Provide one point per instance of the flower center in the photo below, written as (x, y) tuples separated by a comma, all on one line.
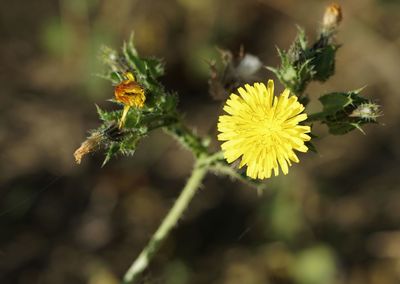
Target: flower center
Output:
[(267, 129)]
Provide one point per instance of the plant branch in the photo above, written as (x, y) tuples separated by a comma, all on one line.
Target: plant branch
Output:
[(221, 167), (188, 138)]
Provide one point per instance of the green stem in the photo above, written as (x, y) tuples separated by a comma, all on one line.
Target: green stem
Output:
[(170, 221)]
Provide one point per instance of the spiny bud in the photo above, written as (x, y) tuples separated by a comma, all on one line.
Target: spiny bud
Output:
[(332, 17), (368, 111)]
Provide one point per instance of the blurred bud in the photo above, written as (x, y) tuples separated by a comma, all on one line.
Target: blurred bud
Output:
[(111, 58), (109, 55), (332, 17), (88, 146), (233, 72), (248, 66)]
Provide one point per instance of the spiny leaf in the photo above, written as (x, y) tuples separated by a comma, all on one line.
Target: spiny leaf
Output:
[(135, 63), (108, 116), (111, 152), (334, 102)]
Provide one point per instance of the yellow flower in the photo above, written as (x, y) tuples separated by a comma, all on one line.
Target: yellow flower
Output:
[(131, 94), (263, 130)]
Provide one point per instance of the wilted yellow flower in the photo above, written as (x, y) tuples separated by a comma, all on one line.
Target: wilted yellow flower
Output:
[(263, 130), (131, 94)]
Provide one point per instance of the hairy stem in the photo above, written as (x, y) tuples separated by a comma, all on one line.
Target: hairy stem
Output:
[(187, 138), (220, 167), (170, 221)]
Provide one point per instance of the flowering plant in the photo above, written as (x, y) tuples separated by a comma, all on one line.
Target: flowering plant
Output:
[(260, 130)]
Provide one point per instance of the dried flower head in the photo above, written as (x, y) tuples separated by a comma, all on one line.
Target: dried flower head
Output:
[(263, 130), (88, 146), (332, 17)]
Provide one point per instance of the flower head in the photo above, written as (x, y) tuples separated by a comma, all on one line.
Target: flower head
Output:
[(131, 94), (263, 130)]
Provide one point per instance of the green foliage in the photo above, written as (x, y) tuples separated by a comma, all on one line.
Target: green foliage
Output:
[(323, 62), (159, 110), (302, 63), (343, 112)]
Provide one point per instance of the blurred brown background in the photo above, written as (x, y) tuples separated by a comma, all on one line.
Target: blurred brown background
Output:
[(334, 219)]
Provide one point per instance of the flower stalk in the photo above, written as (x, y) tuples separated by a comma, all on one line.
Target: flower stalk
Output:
[(200, 170)]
